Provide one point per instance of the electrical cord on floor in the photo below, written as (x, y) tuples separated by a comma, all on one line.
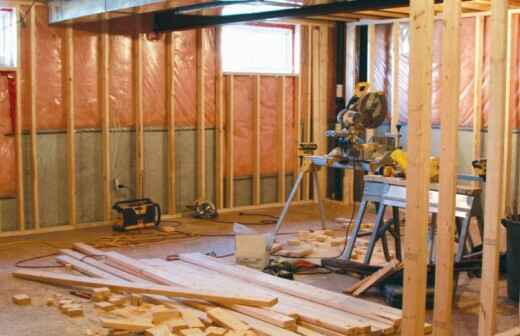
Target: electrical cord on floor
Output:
[(271, 221), (21, 263)]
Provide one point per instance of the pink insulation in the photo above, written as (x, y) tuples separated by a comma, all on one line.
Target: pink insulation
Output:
[(7, 149), (185, 79), (244, 91), (154, 80)]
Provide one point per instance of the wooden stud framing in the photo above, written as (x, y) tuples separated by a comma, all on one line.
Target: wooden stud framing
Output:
[(307, 124), (418, 177), (495, 158), (299, 124), (20, 197), (371, 66), (230, 153), (71, 136), (323, 106), (396, 42), (34, 149), (219, 125), (495, 155), (201, 111), (512, 30), (138, 108), (477, 87), (170, 111), (257, 188), (442, 320), (282, 142), (104, 106)]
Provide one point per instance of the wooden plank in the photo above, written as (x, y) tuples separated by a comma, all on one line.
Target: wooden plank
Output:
[(85, 268), (511, 77), (307, 118), (201, 116), (375, 278), (58, 228), (171, 291), (299, 126), (418, 178), (170, 112), (297, 289), (230, 152), (219, 127), (71, 136), (396, 44), (282, 143), (323, 103), (477, 87), (34, 146), (104, 106), (371, 66), (495, 158), (350, 77), (137, 51), (20, 197), (257, 188), (450, 83)]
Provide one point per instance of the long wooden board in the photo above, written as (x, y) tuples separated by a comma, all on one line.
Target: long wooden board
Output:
[(73, 280)]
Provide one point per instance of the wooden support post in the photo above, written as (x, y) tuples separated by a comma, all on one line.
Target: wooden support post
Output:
[(219, 125), (138, 108), (230, 123), (20, 197), (299, 126), (170, 112), (450, 82), (323, 103), (282, 140), (201, 117), (396, 50), (71, 136), (104, 106), (511, 77), (257, 187), (477, 87), (371, 66), (495, 158), (307, 120), (34, 135), (419, 151)]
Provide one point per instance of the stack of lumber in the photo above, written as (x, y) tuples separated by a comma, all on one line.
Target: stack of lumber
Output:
[(225, 295)]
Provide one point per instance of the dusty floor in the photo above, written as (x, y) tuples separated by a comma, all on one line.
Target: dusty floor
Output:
[(38, 319)]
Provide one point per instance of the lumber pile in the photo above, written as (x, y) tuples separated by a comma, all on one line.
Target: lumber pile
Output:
[(199, 295)]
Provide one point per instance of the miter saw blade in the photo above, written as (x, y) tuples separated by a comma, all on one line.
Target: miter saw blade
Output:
[(372, 109)]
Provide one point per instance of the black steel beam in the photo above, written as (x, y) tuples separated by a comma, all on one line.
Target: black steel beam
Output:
[(212, 4), (169, 20)]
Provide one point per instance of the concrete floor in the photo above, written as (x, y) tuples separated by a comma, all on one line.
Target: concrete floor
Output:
[(42, 320)]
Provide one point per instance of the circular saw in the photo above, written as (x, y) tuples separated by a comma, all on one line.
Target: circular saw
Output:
[(372, 109)]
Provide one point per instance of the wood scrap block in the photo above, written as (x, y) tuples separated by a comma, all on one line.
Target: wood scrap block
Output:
[(192, 332), (227, 319), (50, 302), (304, 235), (191, 319), (176, 324), (118, 300), (215, 331), (100, 294), (136, 299), (392, 267), (297, 253), (161, 330), (133, 325), (293, 242), (337, 241), (74, 311), (105, 306), (276, 247), (21, 299), (321, 238), (326, 232), (164, 315)]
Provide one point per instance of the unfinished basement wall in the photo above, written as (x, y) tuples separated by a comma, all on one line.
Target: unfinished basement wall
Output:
[(105, 67)]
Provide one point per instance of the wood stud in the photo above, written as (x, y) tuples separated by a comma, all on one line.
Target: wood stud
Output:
[(477, 87), (257, 187), (138, 107), (219, 128), (230, 152), (104, 106), (396, 50), (71, 136), (170, 111), (20, 197), (201, 117), (282, 139), (33, 131)]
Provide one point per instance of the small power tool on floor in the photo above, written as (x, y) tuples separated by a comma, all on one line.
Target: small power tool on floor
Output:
[(137, 214)]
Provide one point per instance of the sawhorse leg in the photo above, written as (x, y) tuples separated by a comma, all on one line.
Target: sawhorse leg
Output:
[(315, 178), (351, 240), (375, 232)]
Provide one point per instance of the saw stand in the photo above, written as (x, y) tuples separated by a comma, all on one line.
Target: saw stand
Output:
[(311, 165)]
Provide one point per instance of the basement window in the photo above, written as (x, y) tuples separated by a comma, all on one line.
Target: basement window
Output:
[(259, 47), (8, 37)]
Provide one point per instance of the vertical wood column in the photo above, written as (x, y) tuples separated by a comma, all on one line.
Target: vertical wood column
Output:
[(257, 123), (418, 177), (20, 197), (396, 50), (68, 89), (323, 102), (34, 135), (477, 86), (282, 143), (201, 116), (230, 155), (450, 83), (104, 106), (371, 66), (307, 119), (138, 108), (219, 127), (299, 127), (495, 158), (170, 112)]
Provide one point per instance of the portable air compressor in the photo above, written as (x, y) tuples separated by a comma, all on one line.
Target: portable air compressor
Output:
[(137, 214)]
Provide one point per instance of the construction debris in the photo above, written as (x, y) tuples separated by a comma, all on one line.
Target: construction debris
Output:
[(22, 299)]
